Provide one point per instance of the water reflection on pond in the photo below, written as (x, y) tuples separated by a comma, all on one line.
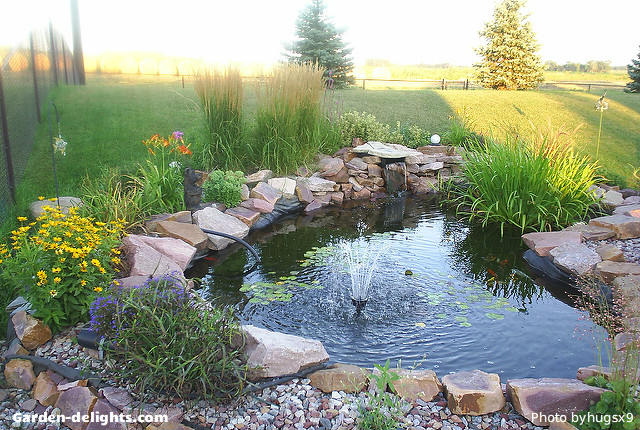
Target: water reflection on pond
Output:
[(445, 295)]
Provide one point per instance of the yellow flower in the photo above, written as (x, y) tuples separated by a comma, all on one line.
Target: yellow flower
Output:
[(56, 270), (56, 280), (1, 260), (116, 283), (95, 262), (101, 269), (83, 282), (41, 274), (115, 251), (40, 197), (279, 283), (116, 260), (53, 293), (62, 260), (52, 199), (22, 218), (97, 289)]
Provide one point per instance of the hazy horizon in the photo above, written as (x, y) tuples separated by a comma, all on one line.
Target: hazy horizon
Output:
[(410, 32)]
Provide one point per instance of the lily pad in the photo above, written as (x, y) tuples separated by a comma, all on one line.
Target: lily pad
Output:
[(494, 316)]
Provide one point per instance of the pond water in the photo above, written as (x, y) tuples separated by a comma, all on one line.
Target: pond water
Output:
[(445, 295)]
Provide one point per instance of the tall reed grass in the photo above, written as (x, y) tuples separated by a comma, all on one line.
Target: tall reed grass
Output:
[(221, 96), (291, 127), (533, 184)]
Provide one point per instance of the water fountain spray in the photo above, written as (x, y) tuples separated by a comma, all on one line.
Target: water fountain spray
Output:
[(361, 259)]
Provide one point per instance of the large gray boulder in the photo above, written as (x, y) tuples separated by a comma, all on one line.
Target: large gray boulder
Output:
[(37, 208), (212, 219), (271, 354)]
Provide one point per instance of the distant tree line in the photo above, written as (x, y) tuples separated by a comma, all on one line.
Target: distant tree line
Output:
[(592, 66)]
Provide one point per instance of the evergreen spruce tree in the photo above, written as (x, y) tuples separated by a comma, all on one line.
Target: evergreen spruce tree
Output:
[(320, 42), (634, 73), (509, 59)]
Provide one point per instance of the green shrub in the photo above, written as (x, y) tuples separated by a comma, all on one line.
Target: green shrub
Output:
[(366, 127), (224, 187), (532, 187), (220, 94), (291, 127), (61, 262), (170, 342), (111, 196), (412, 136)]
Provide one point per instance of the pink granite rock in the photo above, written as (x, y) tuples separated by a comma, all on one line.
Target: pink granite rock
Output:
[(543, 242), (258, 205)]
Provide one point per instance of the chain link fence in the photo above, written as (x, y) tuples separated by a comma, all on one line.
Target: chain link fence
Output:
[(28, 70)]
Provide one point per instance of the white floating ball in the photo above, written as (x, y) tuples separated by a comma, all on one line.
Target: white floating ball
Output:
[(435, 139)]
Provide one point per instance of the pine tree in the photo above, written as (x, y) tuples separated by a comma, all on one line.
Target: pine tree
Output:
[(634, 73), (509, 60), (320, 42)]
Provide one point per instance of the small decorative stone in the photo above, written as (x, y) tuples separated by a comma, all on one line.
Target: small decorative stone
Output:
[(609, 270), (31, 331), (431, 167), (612, 198), (592, 232), (213, 219), (372, 159), (19, 373), (259, 176), (271, 354), (363, 194), (265, 192), (303, 192), (330, 166), (416, 384), (575, 258), (340, 377), (543, 242), (357, 163), (549, 396), (626, 227), (15, 348), (76, 400), (118, 397), (244, 192), (258, 205), (474, 392), (45, 390), (590, 371), (318, 184), (610, 252), (189, 233), (286, 186), (247, 216)]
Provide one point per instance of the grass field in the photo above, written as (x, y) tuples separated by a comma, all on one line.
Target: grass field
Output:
[(457, 72), (106, 121)]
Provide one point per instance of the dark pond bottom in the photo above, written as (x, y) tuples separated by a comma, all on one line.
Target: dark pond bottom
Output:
[(444, 295)]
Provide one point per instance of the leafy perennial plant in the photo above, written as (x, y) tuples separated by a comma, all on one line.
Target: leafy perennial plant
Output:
[(61, 263)]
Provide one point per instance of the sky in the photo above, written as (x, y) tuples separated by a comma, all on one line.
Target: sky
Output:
[(402, 31)]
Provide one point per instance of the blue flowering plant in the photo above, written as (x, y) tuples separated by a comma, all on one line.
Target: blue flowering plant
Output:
[(167, 340)]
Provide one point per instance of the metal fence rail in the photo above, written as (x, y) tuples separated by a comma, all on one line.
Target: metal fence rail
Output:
[(27, 72)]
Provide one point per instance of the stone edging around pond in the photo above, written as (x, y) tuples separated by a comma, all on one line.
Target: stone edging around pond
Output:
[(327, 398), (607, 247)]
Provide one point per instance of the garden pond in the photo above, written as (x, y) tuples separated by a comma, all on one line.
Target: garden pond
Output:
[(445, 295)]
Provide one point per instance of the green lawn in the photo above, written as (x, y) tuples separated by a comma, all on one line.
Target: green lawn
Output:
[(105, 121)]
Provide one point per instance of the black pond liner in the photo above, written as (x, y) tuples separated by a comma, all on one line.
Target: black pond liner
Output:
[(545, 268)]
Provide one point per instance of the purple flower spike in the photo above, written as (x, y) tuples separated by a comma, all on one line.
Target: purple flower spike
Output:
[(177, 135)]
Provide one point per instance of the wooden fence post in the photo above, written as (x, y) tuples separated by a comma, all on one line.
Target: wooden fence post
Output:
[(363, 84)]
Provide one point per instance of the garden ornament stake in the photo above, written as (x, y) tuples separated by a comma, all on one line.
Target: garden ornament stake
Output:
[(57, 145), (601, 106)]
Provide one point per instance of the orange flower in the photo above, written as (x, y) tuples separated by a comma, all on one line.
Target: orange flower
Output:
[(184, 150)]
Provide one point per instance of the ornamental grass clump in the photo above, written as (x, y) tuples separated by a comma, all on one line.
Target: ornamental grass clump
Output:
[(291, 127), (168, 341), (220, 93), (61, 263), (529, 186)]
